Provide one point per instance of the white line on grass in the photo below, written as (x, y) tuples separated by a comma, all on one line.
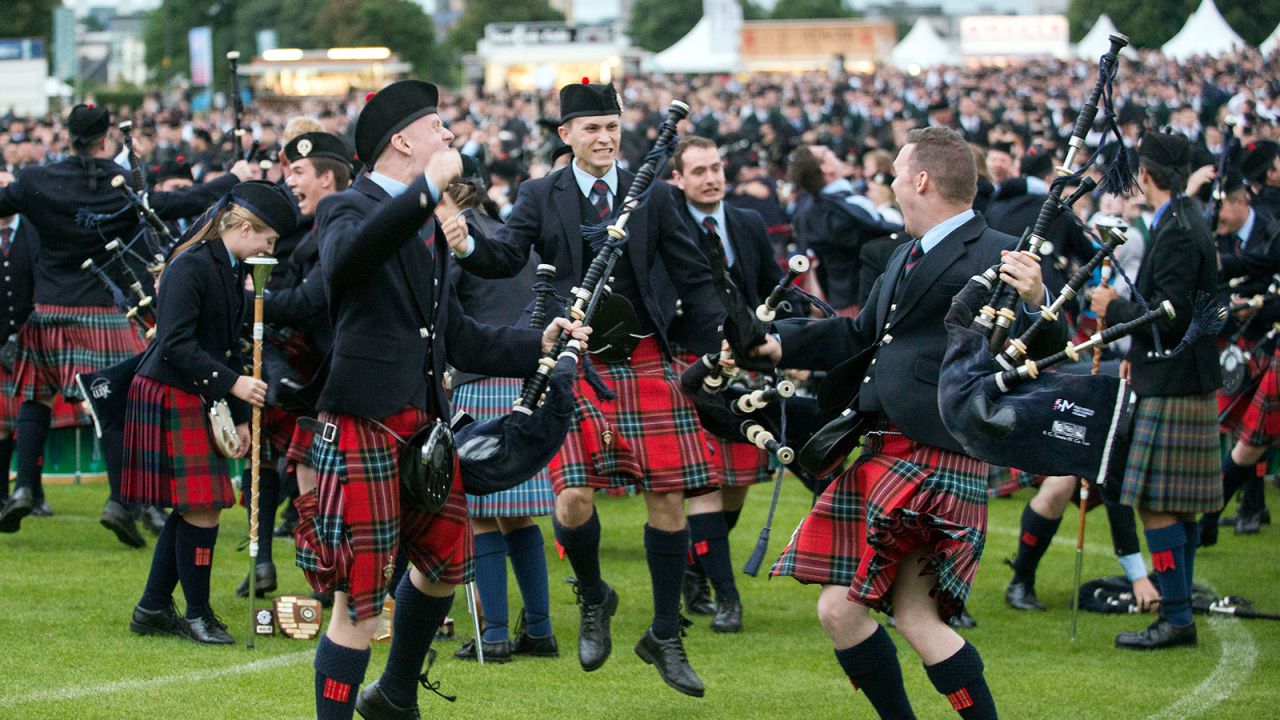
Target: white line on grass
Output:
[(1092, 548), (73, 692), (1235, 665)]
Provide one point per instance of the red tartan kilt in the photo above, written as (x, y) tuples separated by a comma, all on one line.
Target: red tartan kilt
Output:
[(648, 436), (299, 451), (277, 428), (1259, 423), (351, 527), (58, 342), (735, 464), (169, 456)]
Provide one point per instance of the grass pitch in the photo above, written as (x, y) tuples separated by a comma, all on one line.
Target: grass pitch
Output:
[(67, 589)]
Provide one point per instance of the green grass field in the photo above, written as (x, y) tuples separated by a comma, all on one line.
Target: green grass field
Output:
[(67, 589)]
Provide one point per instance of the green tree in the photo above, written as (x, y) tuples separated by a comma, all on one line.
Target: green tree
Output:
[(1150, 24), (470, 27), (398, 24), (29, 18), (810, 10), (657, 24)]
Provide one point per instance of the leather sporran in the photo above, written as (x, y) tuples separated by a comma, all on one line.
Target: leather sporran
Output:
[(223, 429), (1235, 369), (426, 464)]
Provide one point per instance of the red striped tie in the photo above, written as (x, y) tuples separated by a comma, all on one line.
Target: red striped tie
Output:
[(601, 202), (917, 252)]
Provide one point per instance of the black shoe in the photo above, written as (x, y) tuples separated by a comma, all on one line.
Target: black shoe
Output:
[(285, 528), (42, 509), (594, 641), (728, 617), (1248, 524), (527, 644), (1022, 596), (264, 581), (1264, 518), (1209, 531), (494, 652), (372, 704), (1159, 635), (159, 622), (120, 521), (18, 506), (697, 593), (963, 621), (672, 664), (152, 518), (210, 630)]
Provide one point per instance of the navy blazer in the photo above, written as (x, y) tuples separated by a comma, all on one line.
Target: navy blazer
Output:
[(201, 310), (50, 196), (755, 270), (904, 371), (836, 230), (671, 271), (396, 319), (17, 282)]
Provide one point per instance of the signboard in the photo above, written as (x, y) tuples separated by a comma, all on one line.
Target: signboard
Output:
[(1010, 35), (856, 40), (64, 43), (200, 44), (529, 34), (21, 49)]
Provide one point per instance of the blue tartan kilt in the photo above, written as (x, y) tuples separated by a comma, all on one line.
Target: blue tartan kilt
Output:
[(492, 398), (1175, 461)]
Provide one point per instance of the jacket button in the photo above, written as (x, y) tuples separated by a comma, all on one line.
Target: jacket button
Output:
[(424, 333), (873, 361), (215, 372), (893, 307), (887, 339), (866, 379), (228, 353)]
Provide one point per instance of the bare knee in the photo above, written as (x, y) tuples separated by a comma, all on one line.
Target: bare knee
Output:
[(706, 503), (511, 524), (481, 525), (666, 511), (1054, 495), (845, 622), (574, 506), (202, 518), (428, 587), (348, 633), (306, 478)]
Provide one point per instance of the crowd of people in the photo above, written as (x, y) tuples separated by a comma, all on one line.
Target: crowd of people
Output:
[(399, 299)]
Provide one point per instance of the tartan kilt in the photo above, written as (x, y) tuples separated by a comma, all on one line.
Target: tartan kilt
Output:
[(732, 464), (900, 495), (299, 451), (1257, 421), (57, 342), (351, 527), (277, 429), (65, 414), (169, 456), (649, 436), (1175, 462), (490, 398)]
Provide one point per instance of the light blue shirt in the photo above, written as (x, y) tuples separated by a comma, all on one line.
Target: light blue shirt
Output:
[(936, 233), (1246, 229), (722, 228), (586, 180), (395, 188), (842, 185)]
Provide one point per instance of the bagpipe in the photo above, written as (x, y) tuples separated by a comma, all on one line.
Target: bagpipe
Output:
[(997, 314)]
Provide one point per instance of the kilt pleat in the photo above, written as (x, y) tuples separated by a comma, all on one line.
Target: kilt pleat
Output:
[(899, 496), (57, 342), (351, 527), (169, 456), (732, 464), (1175, 461), (491, 398), (65, 414), (649, 436)]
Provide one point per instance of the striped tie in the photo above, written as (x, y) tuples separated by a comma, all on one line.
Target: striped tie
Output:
[(6, 240), (600, 191), (917, 252)]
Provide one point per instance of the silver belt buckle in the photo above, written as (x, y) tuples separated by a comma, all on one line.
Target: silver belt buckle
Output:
[(329, 433)]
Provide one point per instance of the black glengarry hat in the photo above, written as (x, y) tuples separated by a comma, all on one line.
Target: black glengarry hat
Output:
[(1169, 153), (87, 121), (269, 202), (176, 168), (587, 98), (389, 111), (317, 144), (1258, 158)]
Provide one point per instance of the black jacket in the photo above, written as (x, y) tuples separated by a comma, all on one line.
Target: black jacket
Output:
[(51, 196), (660, 248), (396, 319), (201, 310), (18, 279), (904, 372), (299, 300), (1177, 264), (754, 270), (836, 230)]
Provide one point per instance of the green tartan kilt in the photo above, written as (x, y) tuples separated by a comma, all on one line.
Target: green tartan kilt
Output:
[(1174, 463)]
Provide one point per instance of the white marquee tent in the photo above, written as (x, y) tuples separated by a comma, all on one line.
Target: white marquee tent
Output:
[(1205, 33), (1269, 45), (923, 48), (1097, 40), (711, 46)]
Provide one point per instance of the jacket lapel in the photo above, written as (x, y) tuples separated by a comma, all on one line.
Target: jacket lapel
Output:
[(568, 207), (935, 263), (744, 261)]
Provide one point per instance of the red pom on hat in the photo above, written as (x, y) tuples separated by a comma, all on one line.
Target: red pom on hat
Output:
[(181, 159), (89, 105), (369, 96), (585, 81)]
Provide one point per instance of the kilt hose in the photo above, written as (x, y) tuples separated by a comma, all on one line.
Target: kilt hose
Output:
[(732, 464), (1175, 461), (169, 456), (1256, 420), (649, 436), (351, 527), (57, 342), (898, 496), (490, 398)]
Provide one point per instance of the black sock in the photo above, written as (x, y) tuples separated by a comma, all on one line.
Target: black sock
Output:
[(1252, 499), (32, 429), (731, 518), (1167, 546), (491, 583), (872, 667), (268, 498), (582, 547), (709, 537), (6, 459), (194, 547), (417, 617), (1037, 533), (1233, 478), (529, 564), (163, 577), (112, 444), (959, 677), (666, 552), (339, 672)]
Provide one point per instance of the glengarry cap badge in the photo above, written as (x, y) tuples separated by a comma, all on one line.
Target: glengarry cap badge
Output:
[(304, 147)]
